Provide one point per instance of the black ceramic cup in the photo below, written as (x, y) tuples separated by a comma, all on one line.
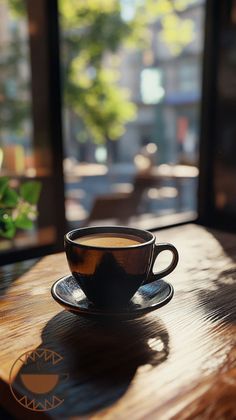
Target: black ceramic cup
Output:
[(110, 275)]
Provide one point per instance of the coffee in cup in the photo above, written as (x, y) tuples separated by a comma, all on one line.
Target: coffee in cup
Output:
[(109, 240), (110, 263)]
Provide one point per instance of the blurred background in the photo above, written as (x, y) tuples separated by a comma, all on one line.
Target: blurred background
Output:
[(131, 77)]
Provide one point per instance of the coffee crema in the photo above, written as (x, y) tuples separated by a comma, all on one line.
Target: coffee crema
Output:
[(114, 240)]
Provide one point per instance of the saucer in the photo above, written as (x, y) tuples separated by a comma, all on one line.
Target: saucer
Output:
[(149, 297)]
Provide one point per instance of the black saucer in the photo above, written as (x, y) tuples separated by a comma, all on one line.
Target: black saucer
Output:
[(68, 294)]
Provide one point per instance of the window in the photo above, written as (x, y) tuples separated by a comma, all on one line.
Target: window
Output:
[(132, 88), (152, 90), (189, 78), (132, 96), (31, 188)]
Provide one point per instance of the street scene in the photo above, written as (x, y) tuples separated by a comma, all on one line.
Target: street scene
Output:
[(157, 123), (161, 196)]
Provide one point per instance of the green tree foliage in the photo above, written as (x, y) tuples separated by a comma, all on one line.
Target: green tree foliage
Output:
[(176, 31), (92, 30)]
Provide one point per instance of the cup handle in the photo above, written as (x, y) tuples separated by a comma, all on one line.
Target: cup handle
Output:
[(157, 250)]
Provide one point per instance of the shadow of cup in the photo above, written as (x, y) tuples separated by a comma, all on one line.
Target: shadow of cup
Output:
[(102, 358)]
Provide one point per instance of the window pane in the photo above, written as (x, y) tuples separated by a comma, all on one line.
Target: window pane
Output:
[(132, 89), (27, 218)]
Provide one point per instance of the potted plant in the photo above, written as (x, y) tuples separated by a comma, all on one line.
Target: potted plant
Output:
[(18, 206)]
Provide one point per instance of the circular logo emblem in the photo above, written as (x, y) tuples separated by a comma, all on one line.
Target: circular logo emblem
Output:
[(36, 379)]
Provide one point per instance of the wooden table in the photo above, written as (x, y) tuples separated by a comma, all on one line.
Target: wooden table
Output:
[(176, 363)]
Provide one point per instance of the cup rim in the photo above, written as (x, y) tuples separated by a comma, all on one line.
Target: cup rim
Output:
[(111, 228)]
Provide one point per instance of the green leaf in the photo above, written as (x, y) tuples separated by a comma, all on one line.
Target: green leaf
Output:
[(23, 222), (10, 198), (3, 185), (9, 233), (30, 191), (7, 227)]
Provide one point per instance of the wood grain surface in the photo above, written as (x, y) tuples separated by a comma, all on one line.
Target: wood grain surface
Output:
[(178, 362)]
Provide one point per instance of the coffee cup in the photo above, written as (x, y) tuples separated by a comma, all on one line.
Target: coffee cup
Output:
[(110, 263)]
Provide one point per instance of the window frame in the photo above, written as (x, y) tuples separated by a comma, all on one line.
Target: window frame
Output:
[(217, 23), (46, 15)]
